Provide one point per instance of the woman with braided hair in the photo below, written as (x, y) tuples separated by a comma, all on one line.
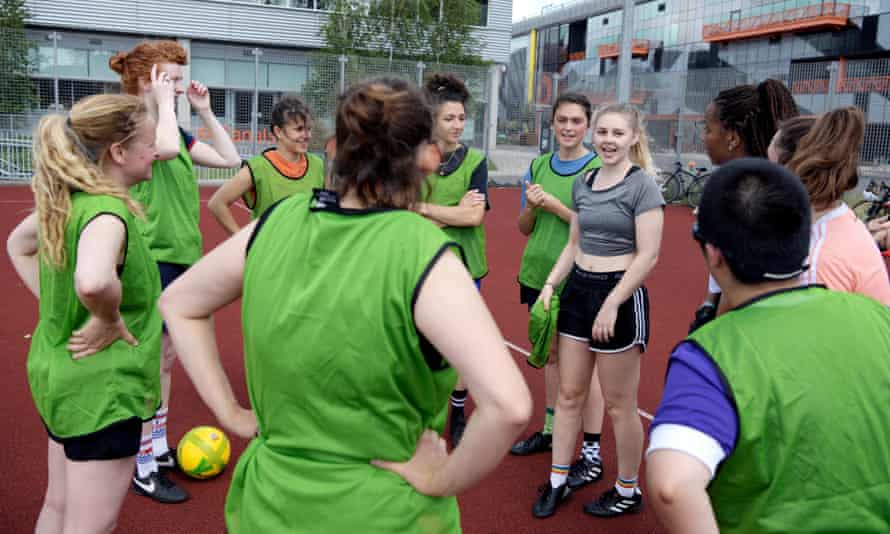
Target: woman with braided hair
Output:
[(94, 361), (740, 122)]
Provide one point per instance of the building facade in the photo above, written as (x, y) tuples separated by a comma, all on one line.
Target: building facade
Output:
[(684, 52), (247, 52)]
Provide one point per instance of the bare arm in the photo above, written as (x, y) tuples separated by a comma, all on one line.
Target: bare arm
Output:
[(677, 486), (447, 303), (22, 249), (229, 193), (527, 219), (648, 236), (469, 212), (222, 153), (95, 275), (567, 257), (188, 305)]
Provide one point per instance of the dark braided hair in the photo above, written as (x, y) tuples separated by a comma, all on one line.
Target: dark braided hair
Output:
[(754, 112), (289, 108)]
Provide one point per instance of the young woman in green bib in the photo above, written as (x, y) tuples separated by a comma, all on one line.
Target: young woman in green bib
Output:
[(455, 197), (94, 361), (547, 209), (154, 71), (354, 368), (278, 172)]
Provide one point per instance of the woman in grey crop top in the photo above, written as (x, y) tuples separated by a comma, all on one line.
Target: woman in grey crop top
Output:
[(603, 319)]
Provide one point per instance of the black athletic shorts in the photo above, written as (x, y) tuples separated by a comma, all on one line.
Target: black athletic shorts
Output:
[(115, 441), (582, 299), (169, 273), (528, 295)]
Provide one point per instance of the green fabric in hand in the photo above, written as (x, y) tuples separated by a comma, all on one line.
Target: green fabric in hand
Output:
[(541, 327)]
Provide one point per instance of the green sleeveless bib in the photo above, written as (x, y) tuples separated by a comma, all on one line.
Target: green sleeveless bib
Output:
[(814, 434), (447, 191), (172, 209), (336, 373), (550, 233), (77, 397), (271, 185)]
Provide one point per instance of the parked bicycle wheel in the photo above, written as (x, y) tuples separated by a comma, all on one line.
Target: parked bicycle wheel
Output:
[(670, 185), (696, 188)]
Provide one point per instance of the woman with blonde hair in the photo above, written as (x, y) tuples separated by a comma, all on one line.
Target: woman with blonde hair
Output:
[(604, 312), (94, 361), (154, 71)]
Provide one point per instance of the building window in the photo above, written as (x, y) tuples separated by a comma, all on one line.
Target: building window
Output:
[(605, 21), (662, 8)]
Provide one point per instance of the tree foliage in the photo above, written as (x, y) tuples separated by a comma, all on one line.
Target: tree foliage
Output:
[(439, 31), (16, 58)]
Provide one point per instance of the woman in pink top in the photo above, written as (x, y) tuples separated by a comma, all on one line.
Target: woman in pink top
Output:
[(824, 153)]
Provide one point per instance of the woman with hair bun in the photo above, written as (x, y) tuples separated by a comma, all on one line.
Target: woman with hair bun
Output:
[(348, 378), (153, 70), (93, 365), (456, 196)]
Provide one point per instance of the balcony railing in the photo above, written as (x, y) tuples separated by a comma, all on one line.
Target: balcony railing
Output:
[(815, 17), (639, 48)]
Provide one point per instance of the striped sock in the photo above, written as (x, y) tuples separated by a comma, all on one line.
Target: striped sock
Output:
[(145, 460), (558, 475), (159, 432), (626, 488), (458, 399), (548, 421), (590, 447)]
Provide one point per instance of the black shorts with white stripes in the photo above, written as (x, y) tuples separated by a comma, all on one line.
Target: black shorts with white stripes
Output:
[(581, 300)]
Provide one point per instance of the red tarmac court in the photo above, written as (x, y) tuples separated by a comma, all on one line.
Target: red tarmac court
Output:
[(500, 504)]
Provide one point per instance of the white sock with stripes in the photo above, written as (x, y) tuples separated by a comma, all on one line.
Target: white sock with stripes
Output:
[(159, 432), (145, 460)]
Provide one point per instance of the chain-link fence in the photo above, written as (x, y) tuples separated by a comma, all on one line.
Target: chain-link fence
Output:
[(50, 71), (675, 101)]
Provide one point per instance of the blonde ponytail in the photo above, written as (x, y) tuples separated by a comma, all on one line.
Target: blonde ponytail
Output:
[(68, 156)]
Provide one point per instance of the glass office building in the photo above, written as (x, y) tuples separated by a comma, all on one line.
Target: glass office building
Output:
[(685, 51)]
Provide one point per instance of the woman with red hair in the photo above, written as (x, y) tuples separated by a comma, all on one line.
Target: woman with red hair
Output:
[(154, 71)]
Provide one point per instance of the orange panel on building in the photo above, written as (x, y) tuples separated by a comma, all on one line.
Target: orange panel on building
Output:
[(815, 17), (639, 48)]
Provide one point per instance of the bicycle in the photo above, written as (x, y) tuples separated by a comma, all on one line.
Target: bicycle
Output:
[(875, 201), (682, 183)]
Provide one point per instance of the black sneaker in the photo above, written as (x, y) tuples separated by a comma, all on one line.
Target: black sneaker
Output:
[(160, 488), (611, 504), (585, 471), (549, 499), (167, 460), (537, 442), (456, 427)]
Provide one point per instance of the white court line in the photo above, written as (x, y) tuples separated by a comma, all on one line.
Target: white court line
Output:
[(643, 413)]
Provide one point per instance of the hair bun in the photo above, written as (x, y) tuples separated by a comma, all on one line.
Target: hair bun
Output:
[(118, 62), (444, 86)]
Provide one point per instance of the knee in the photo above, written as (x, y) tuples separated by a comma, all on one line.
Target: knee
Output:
[(621, 407), (570, 398), (54, 503)]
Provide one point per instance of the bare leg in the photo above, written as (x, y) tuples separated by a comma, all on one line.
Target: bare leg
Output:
[(575, 368), (52, 514), (620, 379), (594, 408), (95, 493)]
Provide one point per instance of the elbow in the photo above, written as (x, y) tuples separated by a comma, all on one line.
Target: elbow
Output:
[(232, 161), (524, 231), (92, 287), (516, 409), (167, 152)]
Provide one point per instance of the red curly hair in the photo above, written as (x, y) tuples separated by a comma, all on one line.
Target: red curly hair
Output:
[(135, 66)]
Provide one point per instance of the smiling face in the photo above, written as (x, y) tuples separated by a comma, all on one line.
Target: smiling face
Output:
[(294, 137), (613, 136), (570, 124), (449, 125), (138, 152)]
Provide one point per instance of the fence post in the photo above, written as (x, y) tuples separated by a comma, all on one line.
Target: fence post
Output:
[(420, 66), (490, 138), (55, 37), (342, 59), (255, 114), (626, 51)]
